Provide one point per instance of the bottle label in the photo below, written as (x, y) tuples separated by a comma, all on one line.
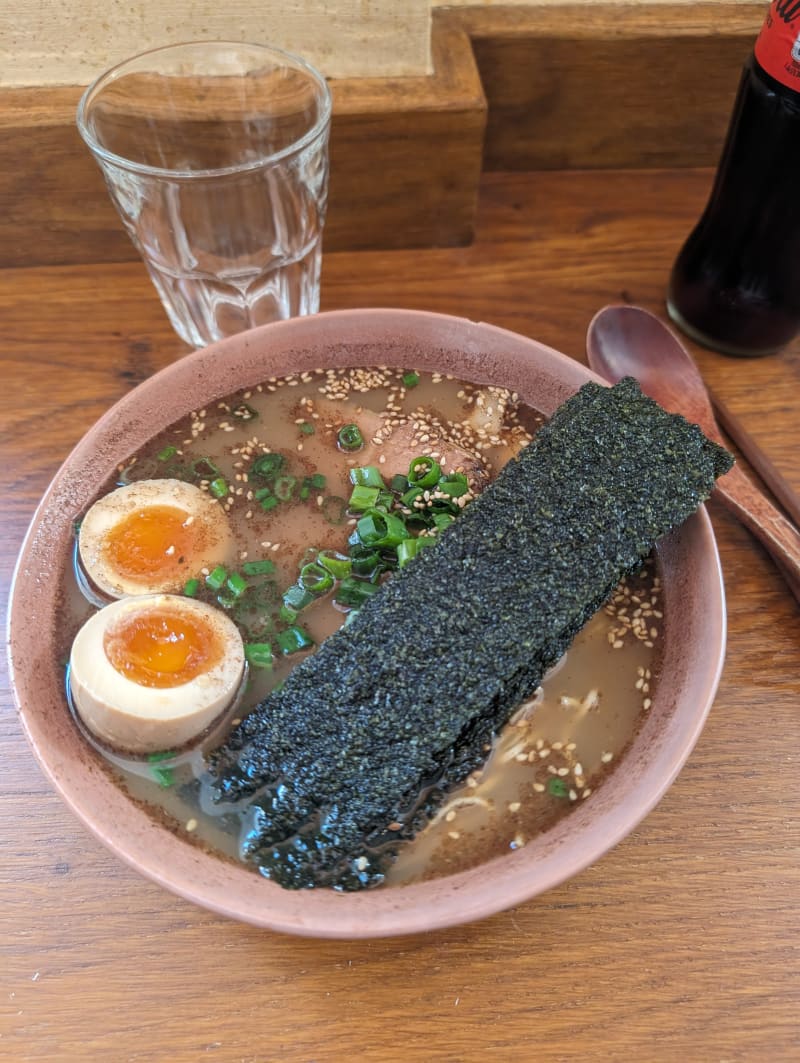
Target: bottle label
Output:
[(777, 49)]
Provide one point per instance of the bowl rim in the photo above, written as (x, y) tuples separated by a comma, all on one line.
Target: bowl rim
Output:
[(454, 899)]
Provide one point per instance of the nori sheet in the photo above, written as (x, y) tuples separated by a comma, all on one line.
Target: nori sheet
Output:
[(400, 705)]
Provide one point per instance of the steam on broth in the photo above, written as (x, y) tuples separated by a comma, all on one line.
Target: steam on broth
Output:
[(557, 747)]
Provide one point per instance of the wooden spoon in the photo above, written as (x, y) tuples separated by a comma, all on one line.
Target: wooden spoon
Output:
[(629, 341)]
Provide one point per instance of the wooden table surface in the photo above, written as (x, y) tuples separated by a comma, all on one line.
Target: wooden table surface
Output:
[(680, 944)]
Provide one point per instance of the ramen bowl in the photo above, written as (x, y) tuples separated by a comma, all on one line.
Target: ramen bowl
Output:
[(692, 645)]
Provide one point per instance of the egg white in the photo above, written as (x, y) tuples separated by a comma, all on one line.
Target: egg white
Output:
[(213, 542), (139, 719)]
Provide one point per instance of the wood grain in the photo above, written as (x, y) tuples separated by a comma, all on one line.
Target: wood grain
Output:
[(609, 85), (405, 163), (679, 945), (568, 85)]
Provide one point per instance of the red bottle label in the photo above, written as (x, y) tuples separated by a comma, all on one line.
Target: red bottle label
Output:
[(777, 49)]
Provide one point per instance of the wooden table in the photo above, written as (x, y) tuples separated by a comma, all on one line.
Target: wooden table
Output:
[(680, 944)]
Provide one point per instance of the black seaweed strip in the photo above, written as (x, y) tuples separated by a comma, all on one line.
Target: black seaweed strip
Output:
[(406, 698)]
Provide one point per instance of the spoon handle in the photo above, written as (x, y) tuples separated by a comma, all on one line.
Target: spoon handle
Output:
[(778, 535)]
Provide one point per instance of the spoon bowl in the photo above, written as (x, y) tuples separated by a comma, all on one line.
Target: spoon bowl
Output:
[(630, 341)]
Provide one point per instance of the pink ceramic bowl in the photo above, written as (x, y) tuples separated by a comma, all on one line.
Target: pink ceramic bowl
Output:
[(692, 660)]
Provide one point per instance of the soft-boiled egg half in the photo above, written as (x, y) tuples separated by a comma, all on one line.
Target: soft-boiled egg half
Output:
[(152, 536), (153, 672)]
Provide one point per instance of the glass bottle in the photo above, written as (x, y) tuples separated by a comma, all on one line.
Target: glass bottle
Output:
[(735, 286)]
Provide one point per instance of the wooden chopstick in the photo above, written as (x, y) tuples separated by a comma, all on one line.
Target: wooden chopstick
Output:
[(781, 489)]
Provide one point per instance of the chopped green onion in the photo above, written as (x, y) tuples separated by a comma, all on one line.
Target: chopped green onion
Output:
[(315, 579), (297, 597), (399, 484), (267, 466), (363, 498), (442, 520), (258, 568), (334, 509), (284, 486), (259, 654), (226, 599), (245, 412), (307, 428), (557, 787), (376, 528), (166, 453), (424, 471), (191, 587), (287, 614), (355, 591), (338, 565), (367, 565), (218, 487), (163, 776), (216, 578), (205, 469), (410, 379), (317, 481), (293, 639), (410, 497), (236, 584), (367, 476), (455, 484), (350, 437), (409, 548), (269, 502)]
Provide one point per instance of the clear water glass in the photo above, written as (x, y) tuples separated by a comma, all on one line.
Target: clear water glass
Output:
[(216, 157)]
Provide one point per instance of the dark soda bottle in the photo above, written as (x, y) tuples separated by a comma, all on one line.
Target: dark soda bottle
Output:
[(735, 286)]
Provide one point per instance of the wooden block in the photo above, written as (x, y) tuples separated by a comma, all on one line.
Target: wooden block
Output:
[(405, 165), (608, 85)]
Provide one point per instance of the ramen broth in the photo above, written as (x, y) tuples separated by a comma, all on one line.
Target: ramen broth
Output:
[(557, 747)]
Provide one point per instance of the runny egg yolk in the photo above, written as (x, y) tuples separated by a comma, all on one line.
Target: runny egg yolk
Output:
[(163, 647), (150, 541)]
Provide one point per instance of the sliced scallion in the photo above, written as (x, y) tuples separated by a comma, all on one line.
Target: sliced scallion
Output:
[(557, 787), (216, 578), (258, 654), (267, 466), (424, 471), (293, 639), (350, 437), (338, 565), (236, 584), (409, 548), (377, 528), (258, 568), (191, 587), (410, 379), (315, 579), (363, 498), (205, 469), (284, 487), (166, 453), (367, 476), (297, 597), (355, 591), (218, 487)]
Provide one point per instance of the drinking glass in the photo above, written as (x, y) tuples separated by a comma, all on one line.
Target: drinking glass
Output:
[(216, 157)]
